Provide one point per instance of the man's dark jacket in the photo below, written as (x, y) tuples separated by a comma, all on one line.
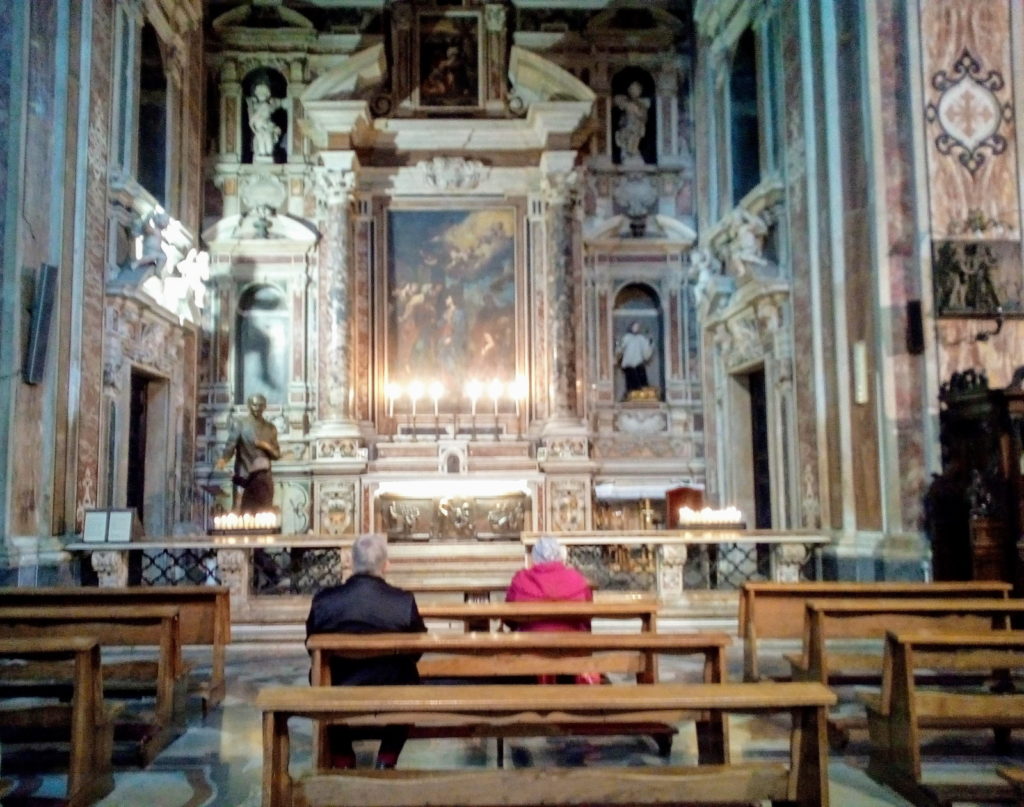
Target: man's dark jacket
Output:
[(366, 604)]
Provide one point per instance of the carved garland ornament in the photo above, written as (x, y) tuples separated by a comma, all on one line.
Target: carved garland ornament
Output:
[(968, 112)]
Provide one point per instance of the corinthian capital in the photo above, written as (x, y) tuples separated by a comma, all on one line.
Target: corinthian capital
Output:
[(560, 187), (332, 186)]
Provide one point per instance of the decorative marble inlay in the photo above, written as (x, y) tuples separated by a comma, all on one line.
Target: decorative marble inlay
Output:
[(337, 506), (969, 112), (111, 568)]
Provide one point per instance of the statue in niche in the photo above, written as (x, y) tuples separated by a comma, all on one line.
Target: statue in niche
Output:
[(746, 255), (633, 123), (265, 132), (634, 351)]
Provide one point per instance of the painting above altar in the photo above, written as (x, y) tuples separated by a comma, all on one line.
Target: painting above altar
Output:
[(451, 296)]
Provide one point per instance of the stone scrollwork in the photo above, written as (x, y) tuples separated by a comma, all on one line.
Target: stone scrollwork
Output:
[(339, 448), (494, 18), (453, 173), (789, 560), (672, 560), (641, 422), (568, 505), (111, 568), (232, 566), (560, 187), (337, 509), (566, 448), (332, 187)]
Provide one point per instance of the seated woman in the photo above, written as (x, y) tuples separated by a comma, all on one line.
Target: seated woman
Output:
[(549, 579)]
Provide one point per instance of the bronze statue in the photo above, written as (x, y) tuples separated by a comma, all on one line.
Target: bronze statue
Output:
[(253, 441)]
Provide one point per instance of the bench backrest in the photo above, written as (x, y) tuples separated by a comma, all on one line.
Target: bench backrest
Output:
[(827, 621), (490, 654), (776, 610), (511, 612), (204, 611)]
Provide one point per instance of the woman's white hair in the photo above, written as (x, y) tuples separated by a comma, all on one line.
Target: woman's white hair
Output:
[(547, 550)]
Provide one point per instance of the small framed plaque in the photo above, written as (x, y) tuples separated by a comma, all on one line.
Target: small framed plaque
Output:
[(95, 529), (116, 526)]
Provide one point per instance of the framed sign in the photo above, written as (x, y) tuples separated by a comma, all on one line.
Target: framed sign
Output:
[(450, 308), (448, 59)]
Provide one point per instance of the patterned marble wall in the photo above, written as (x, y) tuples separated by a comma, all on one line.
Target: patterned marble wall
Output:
[(968, 80)]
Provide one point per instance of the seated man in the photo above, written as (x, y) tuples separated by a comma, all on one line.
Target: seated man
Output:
[(365, 603)]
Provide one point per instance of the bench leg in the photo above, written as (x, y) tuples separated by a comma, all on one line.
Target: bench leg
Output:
[(712, 743)]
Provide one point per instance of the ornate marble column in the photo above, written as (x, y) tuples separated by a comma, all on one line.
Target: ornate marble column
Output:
[(561, 290), (230, 113)]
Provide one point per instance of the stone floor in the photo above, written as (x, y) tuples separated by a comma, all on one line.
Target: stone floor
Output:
[(217, 760)]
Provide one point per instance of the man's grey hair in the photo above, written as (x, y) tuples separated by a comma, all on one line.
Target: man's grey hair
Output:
[(370, 554), (547, 550)]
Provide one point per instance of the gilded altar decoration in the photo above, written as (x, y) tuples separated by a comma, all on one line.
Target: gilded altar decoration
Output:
[(969, 112)]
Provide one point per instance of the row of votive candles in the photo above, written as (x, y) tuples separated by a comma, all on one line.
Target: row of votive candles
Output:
[(708, 515), (247, 521), (474, 390)]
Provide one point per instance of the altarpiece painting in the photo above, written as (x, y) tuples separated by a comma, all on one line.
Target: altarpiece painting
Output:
[(451, 296)]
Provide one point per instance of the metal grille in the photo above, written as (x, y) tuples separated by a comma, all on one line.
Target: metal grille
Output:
[(617, 567), (294, 571), (169, 567)]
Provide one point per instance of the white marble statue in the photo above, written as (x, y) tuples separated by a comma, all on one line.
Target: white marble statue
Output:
[(633, 123), (265, 132), (746, 253)]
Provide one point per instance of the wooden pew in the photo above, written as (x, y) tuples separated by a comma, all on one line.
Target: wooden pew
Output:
[(1015, 776), (479, 616), (85, 724), (118, 626), (904, 708), (528, 653), (843, 637), (204, 611), (804, 781), (769, 610)]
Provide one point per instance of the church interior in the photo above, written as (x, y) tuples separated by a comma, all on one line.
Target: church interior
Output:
[(719, 293)]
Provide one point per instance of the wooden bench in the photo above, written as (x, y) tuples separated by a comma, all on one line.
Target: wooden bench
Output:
[(84, 726), (769, 610), (804, 781), (117, 626), (204, 613), (843, 638), (904, 708), (530, 653), (1015, 776), (480, 616)]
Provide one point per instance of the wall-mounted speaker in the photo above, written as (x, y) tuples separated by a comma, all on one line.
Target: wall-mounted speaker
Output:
[(915, 328), (34, 365)]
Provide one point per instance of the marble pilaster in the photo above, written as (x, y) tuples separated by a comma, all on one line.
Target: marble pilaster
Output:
[(333, 186)]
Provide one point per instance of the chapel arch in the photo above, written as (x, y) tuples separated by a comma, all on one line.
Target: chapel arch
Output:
[(262, 344), (270, 109), (640, 303)]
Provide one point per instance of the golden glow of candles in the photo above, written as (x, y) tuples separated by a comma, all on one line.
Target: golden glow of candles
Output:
[(474, 389), (264, 520), (517, 392), (708, 515), (416, 390), (436, 392), (392, 391)]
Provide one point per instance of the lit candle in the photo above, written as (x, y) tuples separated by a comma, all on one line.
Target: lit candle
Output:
[(496, 387), (436, 391), (473, 391), (392, 391), (517, 392), (415, 393)]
